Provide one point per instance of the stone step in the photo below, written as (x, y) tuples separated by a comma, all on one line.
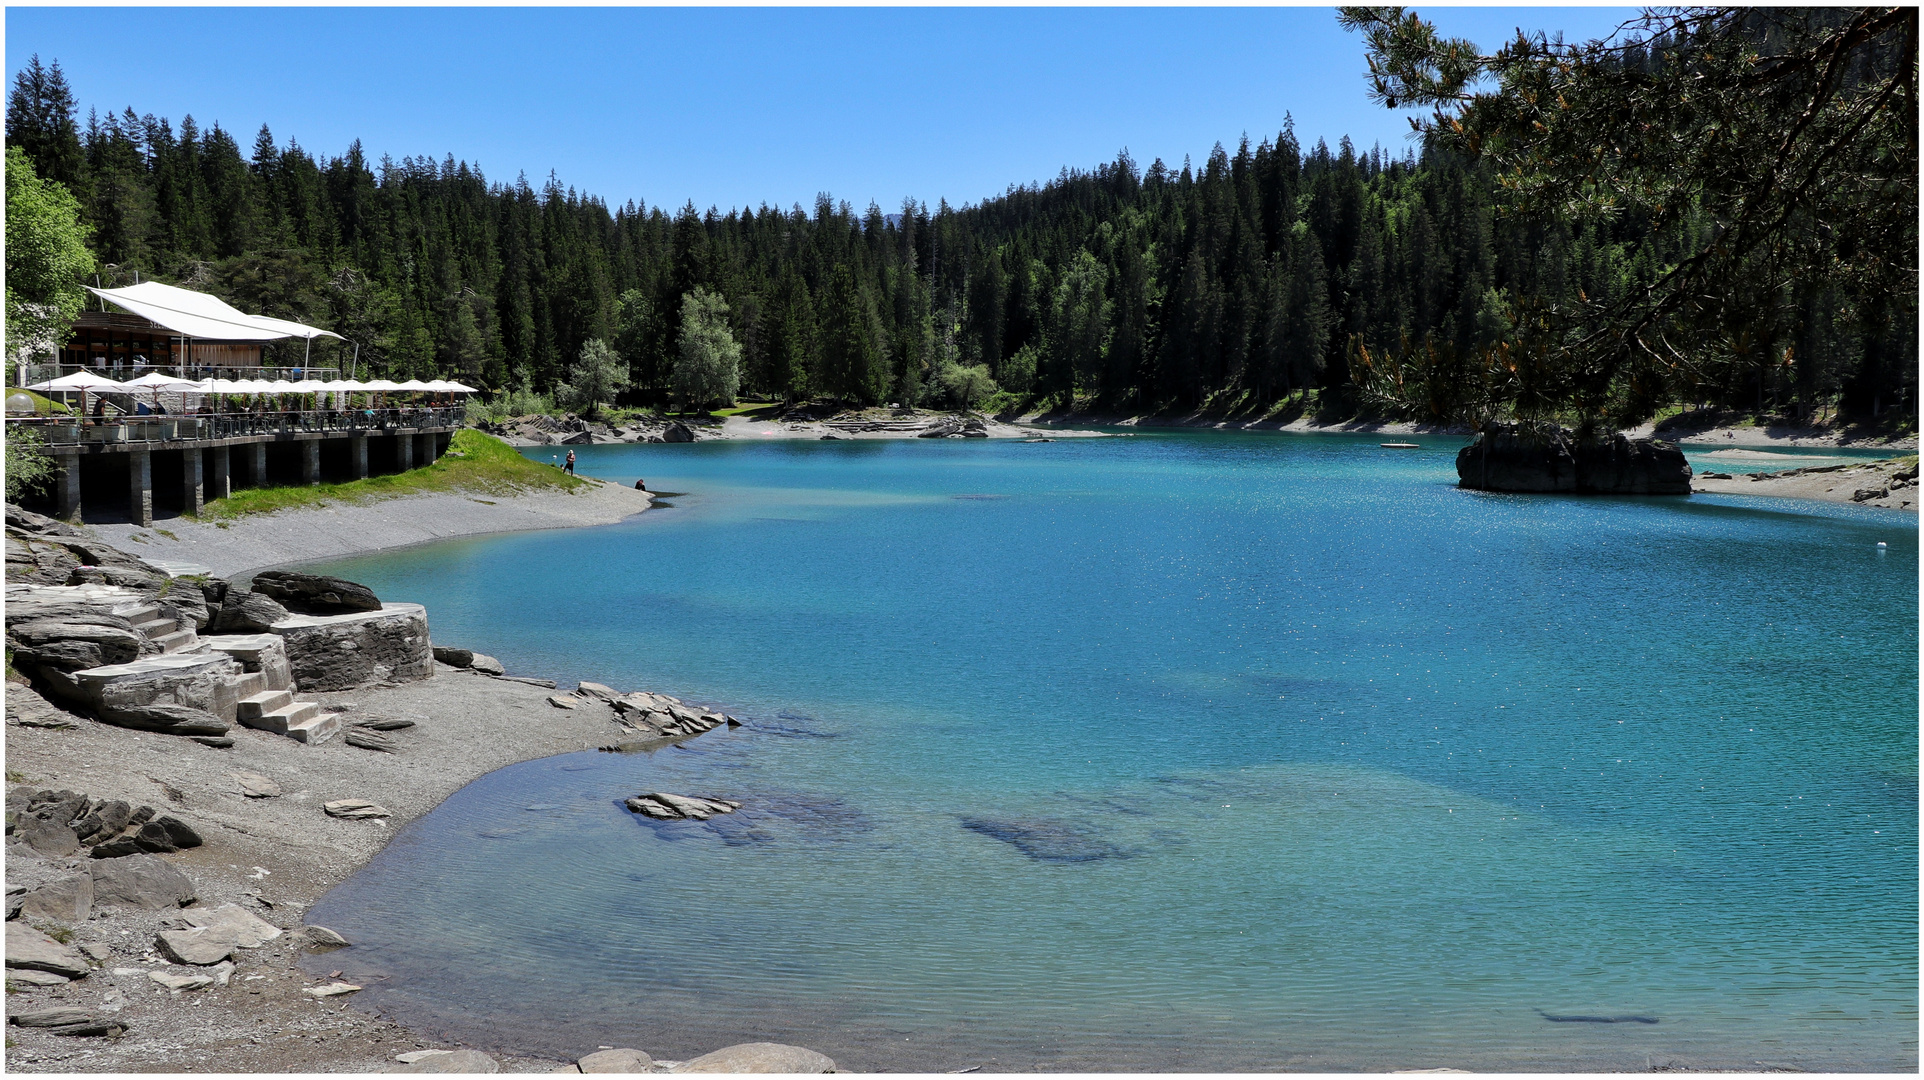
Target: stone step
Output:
[(247, 684), (317, 728), (178, 641), (261, 703), (281, 720), (139, 613), (155, 627)]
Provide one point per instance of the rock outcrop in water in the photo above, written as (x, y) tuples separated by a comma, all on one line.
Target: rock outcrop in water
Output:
[(1509, 458), (666, 807)]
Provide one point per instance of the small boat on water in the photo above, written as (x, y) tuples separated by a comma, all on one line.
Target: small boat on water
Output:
[(1400, 446)]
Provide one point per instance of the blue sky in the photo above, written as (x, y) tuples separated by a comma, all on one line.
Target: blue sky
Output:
[(740, 106)]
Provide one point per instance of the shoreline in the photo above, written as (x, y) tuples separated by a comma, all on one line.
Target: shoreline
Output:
[(259, 542)]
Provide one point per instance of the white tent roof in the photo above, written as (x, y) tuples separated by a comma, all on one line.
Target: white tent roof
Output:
[(79, 380), (199, 315)]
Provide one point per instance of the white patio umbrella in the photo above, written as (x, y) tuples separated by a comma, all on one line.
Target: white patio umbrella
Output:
[(382, 384), (462, 389), (83, 382), (414, 384), (156, 381)]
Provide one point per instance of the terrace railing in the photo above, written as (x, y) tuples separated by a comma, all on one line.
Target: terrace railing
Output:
[(65, 430)]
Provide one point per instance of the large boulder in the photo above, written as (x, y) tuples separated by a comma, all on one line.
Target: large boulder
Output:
[(246, 612), (68, 900), (616, 1061), (342, 652), (677, 432), (759, 1057), (193, 693), (1511, 458), (315, 594), (141, 881)]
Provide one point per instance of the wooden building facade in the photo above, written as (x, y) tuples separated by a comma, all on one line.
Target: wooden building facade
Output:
[(110, 341)]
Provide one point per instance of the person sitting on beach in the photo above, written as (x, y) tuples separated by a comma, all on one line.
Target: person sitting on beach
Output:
[(640, 485)]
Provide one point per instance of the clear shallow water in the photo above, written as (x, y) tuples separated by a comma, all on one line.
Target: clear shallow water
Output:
[(1182, 751)]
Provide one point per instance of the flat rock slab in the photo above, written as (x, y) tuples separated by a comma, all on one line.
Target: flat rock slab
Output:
[(760, 1057), (334, 989), (616, 1061), (248, 930), (141, 881), (354, 808), (254, 785), (69, 1020), (32, 977), (485, 664), (453, 1061), (29, 948), (178, 983), (201, 945)]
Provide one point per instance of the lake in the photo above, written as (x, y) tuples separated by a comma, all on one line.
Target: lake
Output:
[(1180, 751)]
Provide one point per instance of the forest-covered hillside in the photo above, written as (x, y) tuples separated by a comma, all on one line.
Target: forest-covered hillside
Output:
[(1233, 281)]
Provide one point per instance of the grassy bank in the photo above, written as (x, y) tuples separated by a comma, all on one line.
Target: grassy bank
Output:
[(475, 463)]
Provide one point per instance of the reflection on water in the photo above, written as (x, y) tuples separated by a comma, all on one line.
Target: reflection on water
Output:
[(1195, 752)]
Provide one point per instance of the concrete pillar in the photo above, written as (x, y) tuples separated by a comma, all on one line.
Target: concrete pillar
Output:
[(140, 487), (193, 487), (256, 464), (67, 495), (403, 453), (310, 461), (424, 448), (357, 455), (220, 473)]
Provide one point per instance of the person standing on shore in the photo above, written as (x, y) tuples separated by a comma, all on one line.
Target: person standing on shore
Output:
[(571, 463)]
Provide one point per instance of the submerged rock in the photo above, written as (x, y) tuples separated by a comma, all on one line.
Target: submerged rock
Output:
[(1509, 458), (1047, 840)]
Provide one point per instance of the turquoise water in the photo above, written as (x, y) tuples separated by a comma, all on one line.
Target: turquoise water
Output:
[(1180, 751)]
